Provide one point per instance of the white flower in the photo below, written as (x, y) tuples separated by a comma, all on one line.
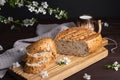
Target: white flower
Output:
[(19, 4), (10, 18), (106, 24), (44, 12), (61, 12), (12, 27), (40, 9), (50, 12), (115, 63), (16, 64), (64, 60), (1, 48), (87, 77), (35, 3), (2, 2), (31, 8), (43, 74), (116, 68), (5, 21), (60, 60), (2, 21), (36, 11), (57, 16), (44, 4), (28, 22)]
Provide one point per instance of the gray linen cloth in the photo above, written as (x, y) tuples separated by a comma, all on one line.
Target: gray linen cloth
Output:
[(19, 48)]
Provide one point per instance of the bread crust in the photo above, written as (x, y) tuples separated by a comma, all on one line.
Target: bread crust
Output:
[(92, 39), (34, 69), (45, 49), (41, 45)]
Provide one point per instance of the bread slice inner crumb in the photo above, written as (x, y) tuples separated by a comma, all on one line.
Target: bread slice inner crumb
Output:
[(77, 48)]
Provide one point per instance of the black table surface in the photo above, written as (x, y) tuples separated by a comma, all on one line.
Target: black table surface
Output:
[(97, 70)]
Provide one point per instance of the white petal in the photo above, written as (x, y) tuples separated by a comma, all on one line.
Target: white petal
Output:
[(35, 3), (12, 27), (44, 12), (86, 76), (1, 48), (116, 68), (2, 2), (44, 74), (40, 9), (50, 12), (44, 4), (16, 64), (115, 63)]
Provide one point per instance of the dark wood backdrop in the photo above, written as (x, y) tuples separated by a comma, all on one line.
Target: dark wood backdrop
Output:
[(75, 8)]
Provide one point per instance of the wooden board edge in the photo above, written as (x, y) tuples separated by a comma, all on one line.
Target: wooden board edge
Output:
[(105, 42)]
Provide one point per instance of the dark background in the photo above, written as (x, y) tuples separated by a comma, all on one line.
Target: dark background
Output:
[(106, 10), (75, 8), (97, 8)]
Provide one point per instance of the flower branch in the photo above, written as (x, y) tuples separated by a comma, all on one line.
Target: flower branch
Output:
[(33, 7), (115, 66)]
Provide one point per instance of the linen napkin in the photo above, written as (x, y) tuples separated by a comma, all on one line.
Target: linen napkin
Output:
[(19, 48)]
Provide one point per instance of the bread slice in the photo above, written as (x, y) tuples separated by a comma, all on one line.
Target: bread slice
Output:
[(78, 41), (39, 55)]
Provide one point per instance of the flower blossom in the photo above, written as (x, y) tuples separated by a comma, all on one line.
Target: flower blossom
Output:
[(1, 48), (10, 18), (87, 77), (45, 5), (44, 74), (28, 22), (2, 2), (19, 4), (35, 3), (12, 27), (31, 8), (64, 60), (50, 12), (16, 64)]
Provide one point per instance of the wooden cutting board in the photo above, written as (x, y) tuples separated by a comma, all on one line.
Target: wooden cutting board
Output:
[(56, 71)]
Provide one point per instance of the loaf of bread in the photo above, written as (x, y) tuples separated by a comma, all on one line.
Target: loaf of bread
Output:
[(78, 41), (39, 55)]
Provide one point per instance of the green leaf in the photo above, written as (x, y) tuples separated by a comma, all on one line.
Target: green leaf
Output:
[(7, 0), (62, 63), (17, 1), (12, 3), (108, 66), (22, 1), (28, 2), (1, 18), (17, 21), (118, 65)]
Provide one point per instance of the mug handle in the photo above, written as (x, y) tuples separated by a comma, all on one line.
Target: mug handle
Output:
[(99, 26)]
